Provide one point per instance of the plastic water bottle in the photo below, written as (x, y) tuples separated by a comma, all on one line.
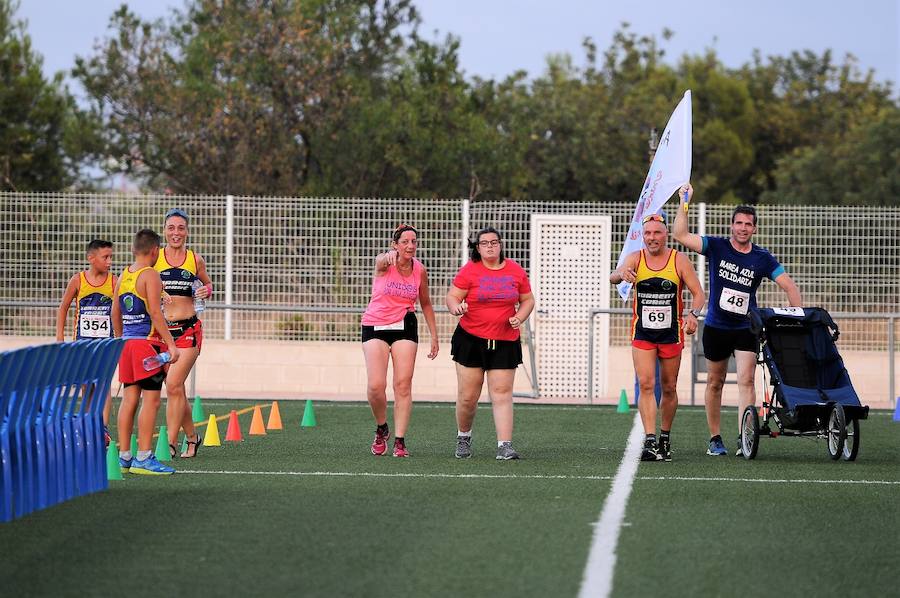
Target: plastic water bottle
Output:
[(199, 304), (155, 361)]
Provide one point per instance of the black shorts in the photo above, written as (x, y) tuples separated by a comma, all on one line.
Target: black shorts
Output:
[(719, 343), (475, 352), (154, 382), (410, 331)]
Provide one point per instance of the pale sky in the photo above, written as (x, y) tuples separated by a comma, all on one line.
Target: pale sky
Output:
[(501, 36)]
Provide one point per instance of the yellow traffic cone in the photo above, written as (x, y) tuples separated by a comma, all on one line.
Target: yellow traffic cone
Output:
[(212, 433)]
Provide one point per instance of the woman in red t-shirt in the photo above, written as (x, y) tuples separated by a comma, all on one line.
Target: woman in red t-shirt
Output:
[(493, 298)]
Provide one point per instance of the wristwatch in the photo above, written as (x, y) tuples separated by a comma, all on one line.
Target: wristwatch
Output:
[(694, 313)]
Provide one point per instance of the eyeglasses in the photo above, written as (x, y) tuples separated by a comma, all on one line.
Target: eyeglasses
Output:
[(491, 243), (176, 212), (653, 218)]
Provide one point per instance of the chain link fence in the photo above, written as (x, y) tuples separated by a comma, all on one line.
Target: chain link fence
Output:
[(319, 253)]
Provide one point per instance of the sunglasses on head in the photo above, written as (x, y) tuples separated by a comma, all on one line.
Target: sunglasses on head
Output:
[(653, 218), (176, 212)]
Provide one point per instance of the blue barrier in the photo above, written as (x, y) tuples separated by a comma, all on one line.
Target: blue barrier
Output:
[(51, 433)]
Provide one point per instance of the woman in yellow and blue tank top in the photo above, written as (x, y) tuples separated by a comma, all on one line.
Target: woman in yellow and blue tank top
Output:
[(179, 268)]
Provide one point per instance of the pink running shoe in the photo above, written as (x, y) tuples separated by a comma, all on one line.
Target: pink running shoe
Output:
[(379, 445), (400, 449)]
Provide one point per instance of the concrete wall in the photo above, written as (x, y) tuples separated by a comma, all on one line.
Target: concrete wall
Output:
[(333, 370)]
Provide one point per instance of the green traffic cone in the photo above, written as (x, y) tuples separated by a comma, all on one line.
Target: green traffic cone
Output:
[(198, 415), (309, 416), (134, 447), (623, 402), (113, 471), (162, 445)]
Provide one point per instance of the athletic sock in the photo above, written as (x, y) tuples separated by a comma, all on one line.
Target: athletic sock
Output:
[(502, 442), (143, 455), (400, 440), (716, 437), (383, 429), (650, 438), (125, 455), (664, 435), (464, 434)]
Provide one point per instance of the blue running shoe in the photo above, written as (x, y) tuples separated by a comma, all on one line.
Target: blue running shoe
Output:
[(125, 464), (150, 466), (716, 447)]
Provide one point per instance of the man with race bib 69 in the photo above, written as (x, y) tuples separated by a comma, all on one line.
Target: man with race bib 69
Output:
[(736, 268)]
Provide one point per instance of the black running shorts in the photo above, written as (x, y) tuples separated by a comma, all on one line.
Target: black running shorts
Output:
[(475, 352), (719, 343), (410, 331)]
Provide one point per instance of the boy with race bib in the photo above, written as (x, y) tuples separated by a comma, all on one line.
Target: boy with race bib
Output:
[(736, 269), (92, 291)]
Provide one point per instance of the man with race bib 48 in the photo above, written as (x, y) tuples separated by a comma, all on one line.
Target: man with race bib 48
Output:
[(736, 268)]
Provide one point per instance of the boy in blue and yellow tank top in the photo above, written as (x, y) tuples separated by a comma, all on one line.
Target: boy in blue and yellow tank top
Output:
[(92, 291), (137, 316)]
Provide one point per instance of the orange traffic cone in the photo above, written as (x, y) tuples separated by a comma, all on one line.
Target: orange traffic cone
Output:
[(233, 432), (274, 418), (256, 424)]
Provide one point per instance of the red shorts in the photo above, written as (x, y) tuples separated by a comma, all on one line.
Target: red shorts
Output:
[(187, 333), (663, 350), (131, 363)]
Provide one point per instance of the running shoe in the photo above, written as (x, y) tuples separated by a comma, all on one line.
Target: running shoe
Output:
[(651, 451), (665, 450), (150, 466), (505, 452), (463, 447), (716, 448), (379, 445), (125, 464), (400, 449)]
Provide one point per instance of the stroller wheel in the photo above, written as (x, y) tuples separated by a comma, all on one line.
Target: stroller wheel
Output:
[(836, 431), (851, 444), (749, 432)]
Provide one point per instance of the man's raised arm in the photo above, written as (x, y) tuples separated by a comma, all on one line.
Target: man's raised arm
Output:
[(680, 228)]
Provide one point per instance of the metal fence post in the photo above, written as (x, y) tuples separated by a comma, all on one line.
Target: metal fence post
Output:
[(465, 232), (701, 259), (892, 397), (229, 261)]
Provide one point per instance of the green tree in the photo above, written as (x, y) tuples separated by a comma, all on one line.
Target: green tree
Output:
[(863, 168), (43, 137), (415, 131), (804, 100), (231, 96)]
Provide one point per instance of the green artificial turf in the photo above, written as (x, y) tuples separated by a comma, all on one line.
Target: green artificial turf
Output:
[(309, 511)]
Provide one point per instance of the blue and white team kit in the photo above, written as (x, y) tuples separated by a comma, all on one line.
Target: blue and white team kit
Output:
[(733, 280)]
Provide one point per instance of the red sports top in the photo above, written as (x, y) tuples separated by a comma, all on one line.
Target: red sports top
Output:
[(492, 298)]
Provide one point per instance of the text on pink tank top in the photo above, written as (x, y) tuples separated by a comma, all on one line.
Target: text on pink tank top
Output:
[(393, 295)]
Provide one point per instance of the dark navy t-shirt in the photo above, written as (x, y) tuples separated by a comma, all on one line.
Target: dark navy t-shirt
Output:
[(733, 280)]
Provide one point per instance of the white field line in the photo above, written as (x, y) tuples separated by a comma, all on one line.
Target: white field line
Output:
[(512, 476), (601, 561)]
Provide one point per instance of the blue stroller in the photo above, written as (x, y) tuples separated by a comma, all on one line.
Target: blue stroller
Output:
[(811, 391)]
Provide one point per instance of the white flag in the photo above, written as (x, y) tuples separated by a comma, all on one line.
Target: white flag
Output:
[(671, 168)]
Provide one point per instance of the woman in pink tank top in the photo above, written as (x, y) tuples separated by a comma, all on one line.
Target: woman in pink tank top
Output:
[(390, 331)]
